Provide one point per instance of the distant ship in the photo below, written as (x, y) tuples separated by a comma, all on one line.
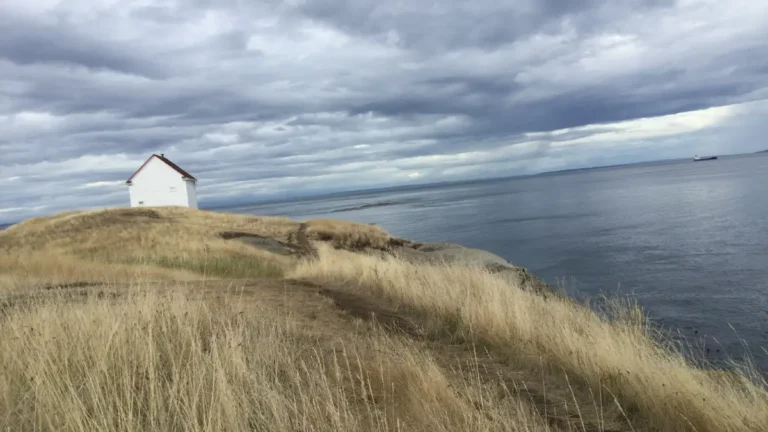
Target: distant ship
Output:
[(697, 158)]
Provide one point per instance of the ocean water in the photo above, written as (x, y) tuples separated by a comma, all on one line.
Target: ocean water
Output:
[(688, 240)]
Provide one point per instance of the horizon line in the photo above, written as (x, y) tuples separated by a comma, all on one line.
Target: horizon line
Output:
[(295, 198)]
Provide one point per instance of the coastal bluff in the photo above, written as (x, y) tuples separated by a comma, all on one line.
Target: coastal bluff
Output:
[(356, 324), (161, 236), (377, 242)]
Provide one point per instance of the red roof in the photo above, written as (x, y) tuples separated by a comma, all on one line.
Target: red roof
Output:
[(167, 162)]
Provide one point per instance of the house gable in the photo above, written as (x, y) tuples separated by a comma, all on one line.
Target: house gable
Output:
[(161, 158)]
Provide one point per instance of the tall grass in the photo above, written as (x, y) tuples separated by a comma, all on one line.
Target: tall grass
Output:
[(97, 245), (618, 358), (226, 266), (168, 230), (146, 361), (25, 270), (348, 235)]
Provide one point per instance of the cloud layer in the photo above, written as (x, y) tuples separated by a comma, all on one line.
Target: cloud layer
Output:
[(272, 98)]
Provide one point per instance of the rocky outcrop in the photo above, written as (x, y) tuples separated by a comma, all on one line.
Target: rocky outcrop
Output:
[(456, 254)]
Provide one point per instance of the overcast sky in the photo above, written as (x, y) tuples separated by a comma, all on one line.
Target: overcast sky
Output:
[(260, 99)]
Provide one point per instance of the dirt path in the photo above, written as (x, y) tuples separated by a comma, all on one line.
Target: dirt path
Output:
[(303, 240), (461, 357)]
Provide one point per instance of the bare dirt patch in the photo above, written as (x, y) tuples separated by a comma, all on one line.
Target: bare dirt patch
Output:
[(261, 242)]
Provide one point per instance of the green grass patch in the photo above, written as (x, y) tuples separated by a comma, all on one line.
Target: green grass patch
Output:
[(231, 266)]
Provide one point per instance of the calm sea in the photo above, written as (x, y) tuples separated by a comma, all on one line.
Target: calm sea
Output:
[(688, 240)]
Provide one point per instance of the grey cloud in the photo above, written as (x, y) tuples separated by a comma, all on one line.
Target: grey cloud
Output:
[(27, 42), (645, 95), (264, 98), (434, 27)]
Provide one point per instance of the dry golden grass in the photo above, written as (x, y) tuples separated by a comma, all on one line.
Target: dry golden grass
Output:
[(142, 359), (127, 232), (170, 229), (655, 386), (126, 244), (146, 361), (26, 270), (135, 244), (348, 235)]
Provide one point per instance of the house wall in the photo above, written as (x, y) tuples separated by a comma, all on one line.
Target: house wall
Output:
[(191, 188), (158, 185)]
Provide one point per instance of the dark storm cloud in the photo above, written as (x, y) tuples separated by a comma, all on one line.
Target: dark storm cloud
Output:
[(619, 100), (440, 26), (29, 42), (265, 98)]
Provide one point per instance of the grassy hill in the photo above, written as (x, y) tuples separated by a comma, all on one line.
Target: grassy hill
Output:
[(177, 319)]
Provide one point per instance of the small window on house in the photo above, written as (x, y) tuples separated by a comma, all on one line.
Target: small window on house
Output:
[(141, 202), (173, 188)]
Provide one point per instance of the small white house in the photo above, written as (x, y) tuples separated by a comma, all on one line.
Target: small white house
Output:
[(160, 182)]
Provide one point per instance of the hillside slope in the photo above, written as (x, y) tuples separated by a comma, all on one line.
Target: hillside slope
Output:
[(178, 319)]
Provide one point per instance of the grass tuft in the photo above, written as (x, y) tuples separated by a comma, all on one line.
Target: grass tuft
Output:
[(348, 235), (231, 266)]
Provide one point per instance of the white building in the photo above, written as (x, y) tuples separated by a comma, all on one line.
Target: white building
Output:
[(160, 182)]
